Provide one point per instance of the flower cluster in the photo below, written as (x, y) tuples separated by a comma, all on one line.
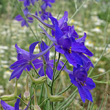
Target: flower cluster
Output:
[(66, 42)]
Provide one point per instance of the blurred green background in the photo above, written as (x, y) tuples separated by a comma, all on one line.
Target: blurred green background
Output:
[(90, 16)]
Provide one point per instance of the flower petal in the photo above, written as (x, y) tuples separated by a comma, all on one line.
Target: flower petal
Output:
[(58, 33), (41, 71), (64, 42), (37, 63), (73, 58), (49, 72), (82, 93), (82, 39), (17, 72), (59, 49), (63, 19), (50, 37), (79, 47), (22, 54), (24, 23), (18, 63), (26, 3), (6, 106), (19, 18), (43, 47), (73, 81), (86, 62), (90, 84), (32, 47), (35, 56), (17, 103)]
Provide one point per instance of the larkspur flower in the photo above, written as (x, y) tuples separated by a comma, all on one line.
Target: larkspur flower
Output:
[(66, 42), (22, 20), (82, 82), (28, 2), (46, 3), (73, 50), (25, 59), (49, 63), (8, 107), (44, 15)]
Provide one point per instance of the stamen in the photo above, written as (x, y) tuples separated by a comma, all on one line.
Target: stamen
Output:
[(69, 50)]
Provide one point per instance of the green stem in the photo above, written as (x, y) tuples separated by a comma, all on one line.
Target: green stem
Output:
[(35, 69), (21, 100), (53, 74), (77, 10), (44, 101), (40, 98), (58, 60), (60, 70), (65, 89)]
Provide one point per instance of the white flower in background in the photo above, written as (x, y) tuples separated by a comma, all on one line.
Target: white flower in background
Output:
[(3, 47), (51, 54), (79, 29), (85, 5), (3, 62), (13, 58), (89, 43), (97, 30), (102, 70), (99, 48), (5, 66), (6, 74), (95, 59), (18, 85), (1, 89), (2, 51)]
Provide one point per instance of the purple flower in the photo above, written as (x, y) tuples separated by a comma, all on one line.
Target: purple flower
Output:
[(23, 21), (45, 59), (46, 3), (73, 50), (82, 82), (44, 15), (8, 107), (28, 2), (25, 59), (66, 42)]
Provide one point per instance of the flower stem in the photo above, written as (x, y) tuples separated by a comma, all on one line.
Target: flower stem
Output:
[(65, 89), (60, 70), (35, 69)]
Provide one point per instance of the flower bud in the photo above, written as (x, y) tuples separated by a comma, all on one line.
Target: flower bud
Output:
[(39, 80), (8, 97), (56, 98), (26, 95)]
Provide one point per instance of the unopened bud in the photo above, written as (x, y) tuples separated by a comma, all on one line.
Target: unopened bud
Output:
[(40, 80), (26, 95), (56, 98), (8, 97)]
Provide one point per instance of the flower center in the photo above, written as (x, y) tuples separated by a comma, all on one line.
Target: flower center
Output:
[(69, 50)]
